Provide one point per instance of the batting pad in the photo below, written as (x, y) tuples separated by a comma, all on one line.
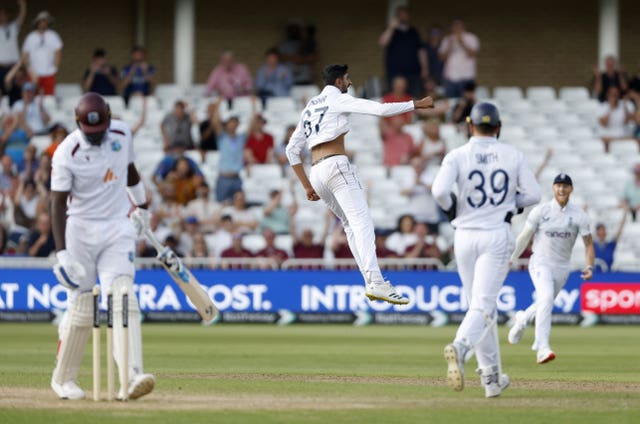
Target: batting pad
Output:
[(135, 332), (73, 338)]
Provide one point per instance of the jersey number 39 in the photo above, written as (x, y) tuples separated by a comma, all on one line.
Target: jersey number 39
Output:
[(498, 187)]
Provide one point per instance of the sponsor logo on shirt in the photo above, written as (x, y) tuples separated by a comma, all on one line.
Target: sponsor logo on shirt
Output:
[(116, 146), (109, 176), (558, 234)]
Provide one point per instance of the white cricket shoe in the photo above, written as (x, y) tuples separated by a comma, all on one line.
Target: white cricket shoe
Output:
[(545, 355), (140, 385), (454, 354), (519, 325), (493, 384), (386, 292), (69, 390)]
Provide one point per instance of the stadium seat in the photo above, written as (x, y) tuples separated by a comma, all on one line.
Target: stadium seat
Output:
[(116, 104), (281, 104), (507, 94), (285, 242), (68, 90), (265, 172), (41, 142), (573, 94), (624, 147), (302, 93), (541, 94), (253, 242), (482, 92), (371, 173), (401, 173)]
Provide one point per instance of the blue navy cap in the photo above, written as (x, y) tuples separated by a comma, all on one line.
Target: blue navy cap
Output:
[(563, 179)]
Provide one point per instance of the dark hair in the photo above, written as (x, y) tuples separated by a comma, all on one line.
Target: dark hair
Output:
[(272, 50), (332, 72), (402, 217), (600, 225), (137, 48), (99, 52)]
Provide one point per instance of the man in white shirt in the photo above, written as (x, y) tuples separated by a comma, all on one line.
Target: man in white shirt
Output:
[(93, 182), (556, 225), (32, 115), (494, 181), (459, 51), (9, 30), (322, 126), (41, 51)]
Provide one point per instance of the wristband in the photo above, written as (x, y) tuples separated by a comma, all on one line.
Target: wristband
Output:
[(137, 194), (590, 268)]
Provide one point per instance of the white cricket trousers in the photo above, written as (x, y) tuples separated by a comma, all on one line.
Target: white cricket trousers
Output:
[(548, 281), (482, 257), (334, 180)]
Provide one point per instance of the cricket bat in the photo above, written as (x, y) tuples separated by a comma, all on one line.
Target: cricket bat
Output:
[(185, 279)]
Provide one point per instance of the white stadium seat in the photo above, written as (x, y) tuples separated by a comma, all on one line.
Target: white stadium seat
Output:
[(539, 94), (506, 94), (573, 93)]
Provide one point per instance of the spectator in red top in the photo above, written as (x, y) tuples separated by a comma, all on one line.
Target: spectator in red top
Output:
[(235, 251), (398, 145), (259, 147), (398, 93), (381, 246), (305, 248), (271, 251), (340, 247), (425, 246)]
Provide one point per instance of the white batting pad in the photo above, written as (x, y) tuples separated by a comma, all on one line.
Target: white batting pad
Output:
[(135, 332), (73, 338)]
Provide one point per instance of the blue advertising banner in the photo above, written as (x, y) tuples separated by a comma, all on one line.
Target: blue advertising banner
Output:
[(303, 296)]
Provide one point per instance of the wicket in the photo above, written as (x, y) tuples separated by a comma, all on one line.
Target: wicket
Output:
[(124, 360)]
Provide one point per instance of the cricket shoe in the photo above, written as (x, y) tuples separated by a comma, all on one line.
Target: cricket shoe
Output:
[(140, 385), (519, 325), (493, 382), (545, 355), (386, 292), (69, 390), (454, 354)]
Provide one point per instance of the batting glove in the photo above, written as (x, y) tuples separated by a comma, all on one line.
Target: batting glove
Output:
[(141, 219), (68, 271)]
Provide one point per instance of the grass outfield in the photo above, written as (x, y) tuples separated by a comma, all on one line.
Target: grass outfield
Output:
[(329, 374)]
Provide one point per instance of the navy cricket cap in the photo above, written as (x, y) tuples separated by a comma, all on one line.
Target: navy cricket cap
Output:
[(484, 113), (563, 179)]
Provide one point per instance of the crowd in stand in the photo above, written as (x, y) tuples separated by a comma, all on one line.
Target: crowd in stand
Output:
[(212, 219)]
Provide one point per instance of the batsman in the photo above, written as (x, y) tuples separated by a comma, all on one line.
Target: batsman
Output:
[(94, 181)]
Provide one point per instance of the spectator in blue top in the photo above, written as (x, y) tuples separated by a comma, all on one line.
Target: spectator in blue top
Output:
[(231, 148), (101, 77), (273, 79), (138, 77), (604, 250)]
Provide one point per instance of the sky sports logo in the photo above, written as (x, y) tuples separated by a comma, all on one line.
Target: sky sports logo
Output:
[(611, 298)]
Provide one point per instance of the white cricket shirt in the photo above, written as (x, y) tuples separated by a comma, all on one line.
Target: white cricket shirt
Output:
[(41, 48), (493, 179), (556, 230), (326, 117), (95, 176)]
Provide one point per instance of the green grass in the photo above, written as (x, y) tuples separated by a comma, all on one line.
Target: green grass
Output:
[(330, 374)]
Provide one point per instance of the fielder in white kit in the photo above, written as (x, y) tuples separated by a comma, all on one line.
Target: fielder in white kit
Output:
[(494, 181), (93, 177), (322, 126), (555, 225)]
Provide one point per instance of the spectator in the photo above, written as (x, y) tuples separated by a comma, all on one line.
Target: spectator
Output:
[(184, 181), (42, 175), (245, 220), (4, 238), (441, 103), (417, 188), (41, 242), (25, 203), (190, 227), (398, 145), (42, 50), (235, 251), (403, 236), (9, 51), (168, 164), (176, 128), (231, 147), (458, 51), (270, 251), (172, 243), (208, 139), (425, 244), (280, 154), (276, 217), (304, 246), (398, 93), (631, 199), (273, 78), (340, 246), (614, 117), (58, 132), (19, 75), (8, 176), (382, 251), (229, 78), (221, 239), (432, 51), (204, 209), (404, 55), (29, 165), (605, 249), (259, 147), (100, 77), (298, 51), (465, 104), (612, 76), (13, 139), (7, 219), (31, 113), (138, 77), (432, 148), (200, 248)]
